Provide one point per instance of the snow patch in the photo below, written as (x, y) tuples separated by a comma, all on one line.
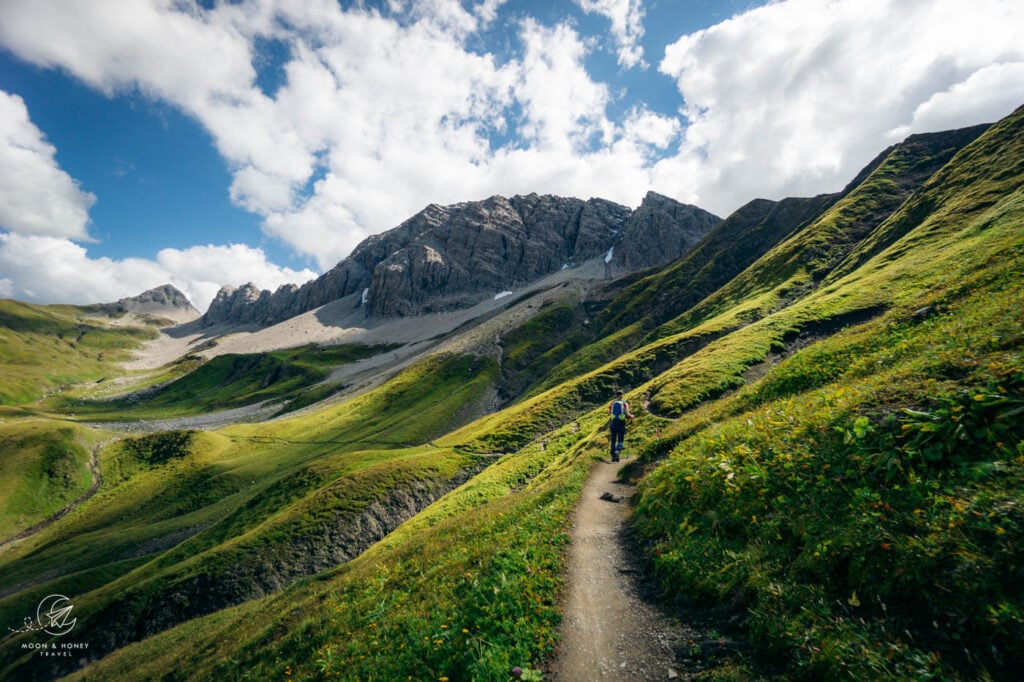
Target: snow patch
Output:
[(503, 294), (366, 295), (608, 256)]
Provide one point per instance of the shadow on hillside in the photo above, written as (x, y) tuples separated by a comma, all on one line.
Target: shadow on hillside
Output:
[(343, 313), (204, 334)]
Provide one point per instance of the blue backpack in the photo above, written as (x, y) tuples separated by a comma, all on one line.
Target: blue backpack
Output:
[(619, 409)]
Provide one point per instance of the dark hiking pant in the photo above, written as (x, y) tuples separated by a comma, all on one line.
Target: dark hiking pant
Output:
[(618, 435)]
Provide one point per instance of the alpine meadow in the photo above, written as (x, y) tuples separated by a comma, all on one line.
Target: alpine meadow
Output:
[(827, 448)]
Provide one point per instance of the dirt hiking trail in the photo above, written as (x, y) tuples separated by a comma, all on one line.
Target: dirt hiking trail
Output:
[(608, 631)]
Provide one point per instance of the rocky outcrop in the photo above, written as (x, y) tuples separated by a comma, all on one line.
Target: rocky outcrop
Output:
[(163, 301), (464, 253), (661, 230), (450, 257), (242, 305)]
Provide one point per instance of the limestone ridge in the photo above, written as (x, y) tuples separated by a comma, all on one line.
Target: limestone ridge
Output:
[(450, 257), (661, 230), (165, 301)]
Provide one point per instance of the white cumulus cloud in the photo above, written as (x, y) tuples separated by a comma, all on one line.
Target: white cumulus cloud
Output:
[(381, 112), (36, 195), (627, 17), (987, 91), (48, 269), (793, 98)]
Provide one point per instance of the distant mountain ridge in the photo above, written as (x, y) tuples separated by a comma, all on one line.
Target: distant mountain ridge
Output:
[(163, 301), (450, 257)]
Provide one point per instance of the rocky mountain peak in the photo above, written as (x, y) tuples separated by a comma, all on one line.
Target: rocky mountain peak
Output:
[(450, 257), (664, 226), (163, 301)]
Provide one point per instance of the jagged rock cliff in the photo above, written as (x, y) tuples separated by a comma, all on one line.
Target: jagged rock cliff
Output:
[(449, 257), (659, 231)]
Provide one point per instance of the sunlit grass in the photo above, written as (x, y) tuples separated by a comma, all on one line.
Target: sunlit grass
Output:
[(841, 428), (191, 386), (43, 467), (47, 348), (860, 503)]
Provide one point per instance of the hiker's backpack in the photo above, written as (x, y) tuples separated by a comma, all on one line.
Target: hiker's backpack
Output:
[(618, 410)]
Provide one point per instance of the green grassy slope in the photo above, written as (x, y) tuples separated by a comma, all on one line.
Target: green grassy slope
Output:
[(725, 252), (860, 504), (44, 466), (796, 266), (190, 522), (44, 463), (781, 249), (532, 350), (466, 590), (43, 348), (821, 232), (832, 442), (229, 381)]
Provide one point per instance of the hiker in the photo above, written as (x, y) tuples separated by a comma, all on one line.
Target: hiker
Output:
[(619, 412)]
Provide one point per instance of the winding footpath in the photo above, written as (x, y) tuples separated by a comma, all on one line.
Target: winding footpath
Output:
[(608, 631)]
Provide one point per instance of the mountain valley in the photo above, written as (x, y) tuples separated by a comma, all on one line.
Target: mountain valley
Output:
[(373, 475)]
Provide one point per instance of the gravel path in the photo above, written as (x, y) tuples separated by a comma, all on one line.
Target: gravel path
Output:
[(609, 632)]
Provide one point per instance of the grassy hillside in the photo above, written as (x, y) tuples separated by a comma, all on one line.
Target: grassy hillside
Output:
[(44, 466), (782, 249), (466, 590), (45, 348), (832, 464), (860, 504), (190, 522), (792, 245), (229, 381)]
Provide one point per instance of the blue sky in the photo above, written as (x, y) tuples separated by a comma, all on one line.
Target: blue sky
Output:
[(213, 143)]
